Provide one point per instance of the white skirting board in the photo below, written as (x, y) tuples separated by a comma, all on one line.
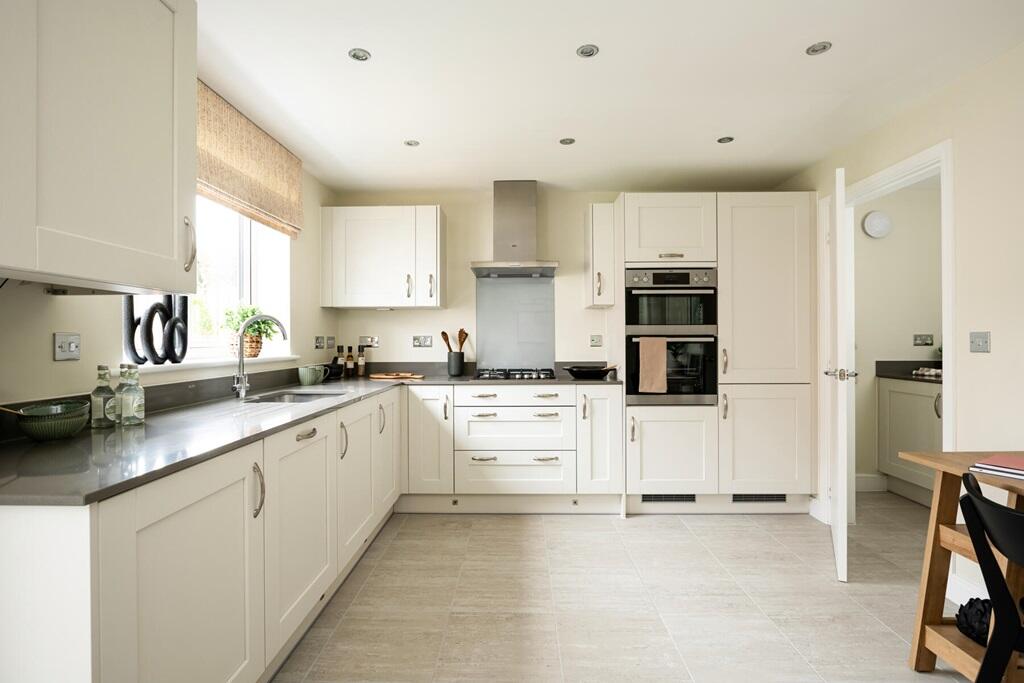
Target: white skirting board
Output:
[(959, 590), (590, 504)]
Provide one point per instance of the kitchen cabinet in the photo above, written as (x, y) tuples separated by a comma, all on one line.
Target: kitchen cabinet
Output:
[(100, 153), (599, 256), (599, 457), (671, 227), (515, 395), (431, 439), (764, 287), (382, 256), (671, 449), (300, 534), (387, 452), (355, 478), (515, 472), (180, 575), (909, 419), (518, 428), (764, 438)]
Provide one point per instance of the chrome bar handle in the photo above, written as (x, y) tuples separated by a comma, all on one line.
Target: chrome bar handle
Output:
[(546, 458), (672, 254), (192, 244), (938, 405), (430, 280), (545, 414), (548, 395), (584, 406), (344, 451), (725, 361), (383, 417), (632, 428), (599, 283), (263, 489), (408, 286), (725, 407), (306, 435), (445, 407), (485, 396), (484, 458), (485, 415)]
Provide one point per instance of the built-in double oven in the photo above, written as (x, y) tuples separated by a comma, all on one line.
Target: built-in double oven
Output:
[(681, 306)]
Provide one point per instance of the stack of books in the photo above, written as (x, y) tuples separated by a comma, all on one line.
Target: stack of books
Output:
[(1001, 465)]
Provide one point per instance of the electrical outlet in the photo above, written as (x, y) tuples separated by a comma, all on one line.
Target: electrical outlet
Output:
[(369, 342), (596, 340), (423, 341), (332, 342), (924, 340), (67, 346), (981, 342), (318, 342)]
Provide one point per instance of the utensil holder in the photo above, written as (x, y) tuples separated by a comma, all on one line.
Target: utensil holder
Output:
[(456, 363)]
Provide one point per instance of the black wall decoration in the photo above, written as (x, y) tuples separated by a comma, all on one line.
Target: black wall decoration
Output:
[(173, 314)]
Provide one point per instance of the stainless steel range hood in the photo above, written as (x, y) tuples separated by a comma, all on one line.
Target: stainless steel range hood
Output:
[(515, 233)]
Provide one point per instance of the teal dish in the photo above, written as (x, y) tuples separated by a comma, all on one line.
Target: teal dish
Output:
[(55, 420)]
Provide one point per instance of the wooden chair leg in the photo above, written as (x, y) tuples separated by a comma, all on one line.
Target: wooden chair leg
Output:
[(935, 572)]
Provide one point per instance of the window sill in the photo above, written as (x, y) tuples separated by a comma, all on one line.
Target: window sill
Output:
[(201, 363)]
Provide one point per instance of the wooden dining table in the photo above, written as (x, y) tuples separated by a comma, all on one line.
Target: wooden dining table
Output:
[(934, 634)]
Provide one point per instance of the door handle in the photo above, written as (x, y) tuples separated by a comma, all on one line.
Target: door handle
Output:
[(408, 286), (632, 429), (546, 458), (725, 361), (938, 405), (584, 406), (306, 435), (487, 458), (599, 283), (831, 373), (263, 490), (445, 407), (383, 417), (192, 244), (485, 415), (545, 414), (672, 254), (485, 396), (725, 407), (344, 451)]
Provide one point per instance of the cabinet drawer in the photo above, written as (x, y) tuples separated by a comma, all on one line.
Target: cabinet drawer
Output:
[(517, 428), (516, 395), (294, 438), (515, 472)]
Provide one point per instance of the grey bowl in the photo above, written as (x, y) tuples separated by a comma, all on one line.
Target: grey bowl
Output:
[(55, 420)]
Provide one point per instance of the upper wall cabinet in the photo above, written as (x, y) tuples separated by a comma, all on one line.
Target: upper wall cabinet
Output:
[(599, 256), (670, 227), (383, 257), (98, 174), (764, 287)]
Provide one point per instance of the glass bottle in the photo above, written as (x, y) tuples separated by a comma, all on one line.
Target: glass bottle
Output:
[(350, 364), (133, 398), (99, 397), (113, 409), (361, 362)]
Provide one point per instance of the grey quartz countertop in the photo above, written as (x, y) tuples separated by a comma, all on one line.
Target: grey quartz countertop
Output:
[(908, 376), (99, 464)]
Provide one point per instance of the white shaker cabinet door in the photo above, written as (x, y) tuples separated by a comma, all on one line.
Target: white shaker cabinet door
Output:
[(599, 256), (180, 575), (387, 452), (430, 268), (599, 455), (355, 478), (909, 419), (671, 227), (671, 449), (764, 287), (431, 439), (301, 557), (765, 438), (370, 256)]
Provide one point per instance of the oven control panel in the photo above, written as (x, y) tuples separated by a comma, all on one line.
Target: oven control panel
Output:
[(671, 277)]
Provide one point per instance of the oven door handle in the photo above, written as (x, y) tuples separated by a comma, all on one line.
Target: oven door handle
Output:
[(671, 291), (636, 340)]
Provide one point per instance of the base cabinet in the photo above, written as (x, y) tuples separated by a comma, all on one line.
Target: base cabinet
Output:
[(909, 419), (355, 478), (671, 449), (599, 457), (431, 439), (765, 438), (181, 576)]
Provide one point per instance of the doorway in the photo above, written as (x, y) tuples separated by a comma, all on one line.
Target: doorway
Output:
[(853, 334)]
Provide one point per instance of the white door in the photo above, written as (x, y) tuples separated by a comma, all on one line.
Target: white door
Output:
[(837, 382), (599, 256), (672, 449), (301, 557), (180, 575), (427, 282), (386, 453), (116, 141), (431, 439), (370, 253), (764, 287), (599, 455), (671, 227), (355, 478), (764, 438)]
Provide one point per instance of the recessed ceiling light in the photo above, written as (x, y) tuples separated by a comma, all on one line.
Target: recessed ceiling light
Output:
[(359, 54), (819, 48), (725, 140), (411, 143), (587, 51), (567, 141)]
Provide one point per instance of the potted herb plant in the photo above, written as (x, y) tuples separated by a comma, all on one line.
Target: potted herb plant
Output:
[(252, 342)]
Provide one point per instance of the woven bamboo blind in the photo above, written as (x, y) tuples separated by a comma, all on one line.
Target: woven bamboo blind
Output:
[(242, 167)]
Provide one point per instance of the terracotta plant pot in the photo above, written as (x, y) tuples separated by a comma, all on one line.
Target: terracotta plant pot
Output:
[(252, 345)]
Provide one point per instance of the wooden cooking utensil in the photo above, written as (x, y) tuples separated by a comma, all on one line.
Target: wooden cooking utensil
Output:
[(447, 342), (463, 336), (12, 412)]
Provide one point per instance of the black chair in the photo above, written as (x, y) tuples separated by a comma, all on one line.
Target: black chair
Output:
[(1004, 528)]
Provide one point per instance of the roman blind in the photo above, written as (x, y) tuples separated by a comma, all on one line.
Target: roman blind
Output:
[(244, 168)]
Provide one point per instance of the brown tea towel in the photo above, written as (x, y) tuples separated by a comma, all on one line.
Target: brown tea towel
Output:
[(653, 378)]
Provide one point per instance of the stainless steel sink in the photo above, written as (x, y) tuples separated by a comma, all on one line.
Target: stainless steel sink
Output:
[(287, 397)]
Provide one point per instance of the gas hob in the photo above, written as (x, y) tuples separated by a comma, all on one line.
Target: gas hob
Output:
[(515, 373)]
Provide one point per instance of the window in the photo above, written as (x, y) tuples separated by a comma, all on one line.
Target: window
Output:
[(239, 262)]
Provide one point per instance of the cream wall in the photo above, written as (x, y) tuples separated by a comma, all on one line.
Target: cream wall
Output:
[(29, 317), (469, 230), (898, 293)]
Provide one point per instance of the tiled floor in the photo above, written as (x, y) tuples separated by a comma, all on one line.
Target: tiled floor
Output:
[(596, 598)]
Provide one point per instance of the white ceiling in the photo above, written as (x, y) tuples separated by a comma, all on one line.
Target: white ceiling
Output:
[(489, 87)]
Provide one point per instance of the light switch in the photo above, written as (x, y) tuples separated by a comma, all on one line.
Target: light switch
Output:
[(318, 342), (67, 346), (981, 342), (596, 340), (331, 342)]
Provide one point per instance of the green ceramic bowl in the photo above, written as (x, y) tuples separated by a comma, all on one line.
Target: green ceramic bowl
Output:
[(55, 420)]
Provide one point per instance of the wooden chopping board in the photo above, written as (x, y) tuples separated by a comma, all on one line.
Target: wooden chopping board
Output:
[(394, 375)]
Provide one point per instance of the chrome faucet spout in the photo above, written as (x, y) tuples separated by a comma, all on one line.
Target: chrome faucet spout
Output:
[(241, 385)]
